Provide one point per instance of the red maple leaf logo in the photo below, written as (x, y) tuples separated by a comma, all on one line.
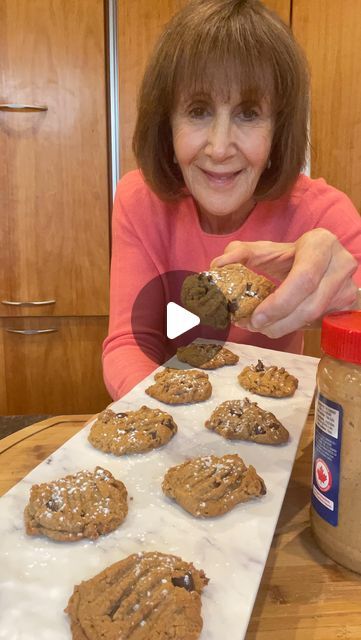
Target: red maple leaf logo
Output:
[(321, 475)]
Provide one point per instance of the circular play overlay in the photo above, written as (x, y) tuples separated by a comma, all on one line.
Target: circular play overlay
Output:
[(149, 318)]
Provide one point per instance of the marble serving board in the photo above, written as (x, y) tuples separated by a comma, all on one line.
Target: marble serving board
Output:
[(37, 575)]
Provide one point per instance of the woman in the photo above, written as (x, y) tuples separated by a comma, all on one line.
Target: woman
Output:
[(220, 141)]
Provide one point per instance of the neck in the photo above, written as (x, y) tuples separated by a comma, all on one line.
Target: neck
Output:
[(222, 225)]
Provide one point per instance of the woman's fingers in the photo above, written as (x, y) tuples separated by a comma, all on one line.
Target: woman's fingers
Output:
[(234, 252), (271, 258), (317, 278), (304, 314), (319, 281)]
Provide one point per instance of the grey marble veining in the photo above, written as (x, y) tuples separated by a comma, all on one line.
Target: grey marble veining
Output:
[(37, 575)]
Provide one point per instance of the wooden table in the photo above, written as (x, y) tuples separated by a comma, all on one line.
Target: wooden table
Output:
[(303, 594)]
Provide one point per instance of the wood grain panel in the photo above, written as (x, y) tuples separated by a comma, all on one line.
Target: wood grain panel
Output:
[(282, 7), (3, 382), (330, 33), (24, 449), (54, 373), (140, 22), (312, 343), (53, 164)]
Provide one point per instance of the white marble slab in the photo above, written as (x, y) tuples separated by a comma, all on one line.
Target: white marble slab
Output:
[(37, 575)]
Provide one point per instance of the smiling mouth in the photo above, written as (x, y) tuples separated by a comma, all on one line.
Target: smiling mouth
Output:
[(221, 178)]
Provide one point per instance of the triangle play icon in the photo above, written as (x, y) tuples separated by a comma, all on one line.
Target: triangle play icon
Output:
[(179, 320)]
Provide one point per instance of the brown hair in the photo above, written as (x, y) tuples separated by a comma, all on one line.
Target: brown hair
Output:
[(210, 45)]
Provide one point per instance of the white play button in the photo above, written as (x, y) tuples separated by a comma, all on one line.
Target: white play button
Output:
[(179, 320)]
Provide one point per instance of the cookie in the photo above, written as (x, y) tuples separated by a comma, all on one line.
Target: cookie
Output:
[(245, 420), (268, 381), (224, 295), (176, 386), (132, 431), (206, 355), (146, 596), (83, 505), (210, 486)]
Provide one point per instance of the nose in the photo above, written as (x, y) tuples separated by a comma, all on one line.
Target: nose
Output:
[(220, 143)]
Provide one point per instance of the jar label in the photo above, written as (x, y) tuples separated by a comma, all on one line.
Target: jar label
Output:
[(326, 458)]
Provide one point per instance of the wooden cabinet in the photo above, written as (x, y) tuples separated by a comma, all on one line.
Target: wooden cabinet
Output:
[(53, 364), (54, 202)]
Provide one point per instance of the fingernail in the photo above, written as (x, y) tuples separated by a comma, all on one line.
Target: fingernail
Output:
[(259, 321)]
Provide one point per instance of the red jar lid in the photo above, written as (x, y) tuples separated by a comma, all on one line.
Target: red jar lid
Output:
[(341, 336)]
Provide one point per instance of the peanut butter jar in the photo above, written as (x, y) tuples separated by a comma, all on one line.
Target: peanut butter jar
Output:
[(336, 476)]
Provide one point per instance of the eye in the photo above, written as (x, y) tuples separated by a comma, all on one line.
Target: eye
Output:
[(248, 114), (198, 111)]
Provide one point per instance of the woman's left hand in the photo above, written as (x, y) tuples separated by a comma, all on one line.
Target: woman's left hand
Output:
[(316, 273)]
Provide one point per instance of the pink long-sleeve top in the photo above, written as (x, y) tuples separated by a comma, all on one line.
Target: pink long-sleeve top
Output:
[(152, 237)]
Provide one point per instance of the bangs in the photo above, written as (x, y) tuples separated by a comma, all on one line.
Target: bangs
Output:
[(221, 69), (234, 51)]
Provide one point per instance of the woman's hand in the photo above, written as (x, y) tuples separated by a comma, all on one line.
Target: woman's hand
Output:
[(316, 274)]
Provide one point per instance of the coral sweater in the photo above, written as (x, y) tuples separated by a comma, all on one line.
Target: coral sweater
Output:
[(152, 237)]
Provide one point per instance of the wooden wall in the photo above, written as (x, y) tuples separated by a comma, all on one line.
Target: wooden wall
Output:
[(330, 33)]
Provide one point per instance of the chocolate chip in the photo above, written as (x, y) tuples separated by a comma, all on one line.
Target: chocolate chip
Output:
[(121, 415), (258, 430), (232, 305), (275, 426), (259, 366), (153, 435), (248, 292), (169, 424), (53, 505), (186, 582)]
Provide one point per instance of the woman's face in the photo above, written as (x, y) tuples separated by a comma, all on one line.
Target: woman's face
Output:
[(222, 148)]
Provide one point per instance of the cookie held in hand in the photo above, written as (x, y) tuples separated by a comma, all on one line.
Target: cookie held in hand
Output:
[(210, 485), (245, 420), (206, 355), (132, 431), (268, 381), (143, 597), (224, 295), (83, 505), (178, 386)]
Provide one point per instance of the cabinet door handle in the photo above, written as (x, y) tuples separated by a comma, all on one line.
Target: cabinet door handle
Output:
[(30, 303), (23, 107), (30, 332)]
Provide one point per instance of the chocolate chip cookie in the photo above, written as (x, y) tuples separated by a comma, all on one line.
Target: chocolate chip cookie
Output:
[(176, 386), (268, 381), (210, 486), (132, 431), (146, 596), (83, 505), (224, 295), (245, 420), (206, 355)]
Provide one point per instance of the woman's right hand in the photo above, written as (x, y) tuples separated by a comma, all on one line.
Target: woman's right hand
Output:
[(315, 274)]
